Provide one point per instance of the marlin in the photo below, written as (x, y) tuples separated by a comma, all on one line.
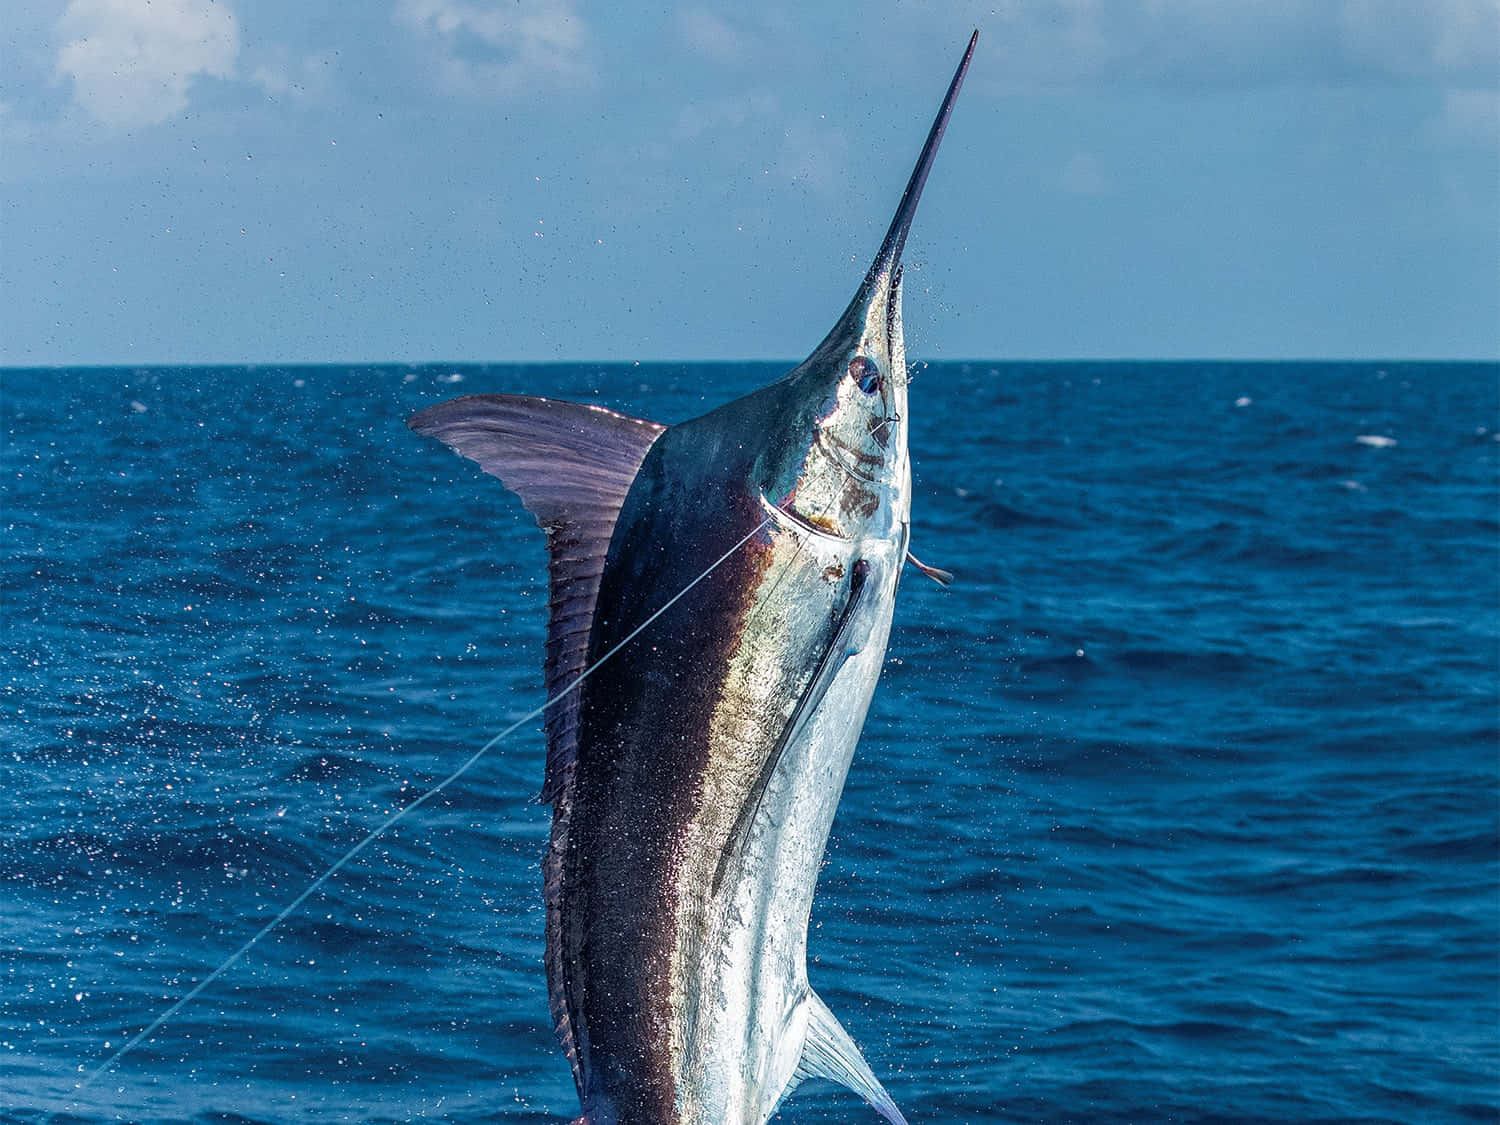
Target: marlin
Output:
[(693, 780)]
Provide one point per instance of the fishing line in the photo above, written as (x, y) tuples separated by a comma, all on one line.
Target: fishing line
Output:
[(390, 821)]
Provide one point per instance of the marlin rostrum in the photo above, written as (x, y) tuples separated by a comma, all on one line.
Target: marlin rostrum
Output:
[(693, 780)]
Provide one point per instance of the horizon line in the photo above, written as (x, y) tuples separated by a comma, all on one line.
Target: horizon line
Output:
[(789, 363)]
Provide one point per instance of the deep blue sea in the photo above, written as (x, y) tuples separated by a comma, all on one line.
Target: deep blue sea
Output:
[(1183, 804)]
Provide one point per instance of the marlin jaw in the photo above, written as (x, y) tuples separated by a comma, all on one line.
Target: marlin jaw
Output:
[(860, 437), (853, 476), (694, 782)]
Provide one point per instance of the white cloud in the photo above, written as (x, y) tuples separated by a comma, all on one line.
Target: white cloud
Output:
[(274, 79), (283, 75), (711, 116), (132, 63), (711, 35), (816, 154), (1470, 117), (502, 48), (1238, 43), (1450, 38)]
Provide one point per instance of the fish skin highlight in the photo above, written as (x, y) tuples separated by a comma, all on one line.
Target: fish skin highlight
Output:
[(694, 779)]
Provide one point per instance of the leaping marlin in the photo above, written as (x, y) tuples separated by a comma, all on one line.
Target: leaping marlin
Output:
[(693, 781)]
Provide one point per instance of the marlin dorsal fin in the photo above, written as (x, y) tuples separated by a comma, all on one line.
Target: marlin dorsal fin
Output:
[(829, 1053), (571, 465)]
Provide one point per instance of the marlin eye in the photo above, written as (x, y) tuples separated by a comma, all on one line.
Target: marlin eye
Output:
[(866, 372)]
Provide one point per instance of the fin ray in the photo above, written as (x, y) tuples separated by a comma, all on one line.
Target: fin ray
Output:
[(942, 577), (830, 1053), (571, 465)]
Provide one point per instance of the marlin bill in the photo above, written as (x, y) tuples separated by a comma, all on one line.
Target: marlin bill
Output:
[(693, 779)]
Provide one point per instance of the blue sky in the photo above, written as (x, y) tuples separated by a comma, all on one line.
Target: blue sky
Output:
[(189, 181)]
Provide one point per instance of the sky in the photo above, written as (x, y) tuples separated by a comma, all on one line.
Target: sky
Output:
[(221, 181)]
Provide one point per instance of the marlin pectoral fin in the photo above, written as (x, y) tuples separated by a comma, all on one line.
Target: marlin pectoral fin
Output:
[(840, 648), (829, 1053), (937, 574)]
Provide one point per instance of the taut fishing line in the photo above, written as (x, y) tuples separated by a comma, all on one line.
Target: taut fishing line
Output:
[(394, 818)]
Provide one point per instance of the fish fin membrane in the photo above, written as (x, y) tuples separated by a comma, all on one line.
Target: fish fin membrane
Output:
[(829, 1053), (936, 573), (571, 465)]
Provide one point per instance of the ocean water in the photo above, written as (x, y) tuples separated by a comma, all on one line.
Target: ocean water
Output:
[(1181, 805)]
